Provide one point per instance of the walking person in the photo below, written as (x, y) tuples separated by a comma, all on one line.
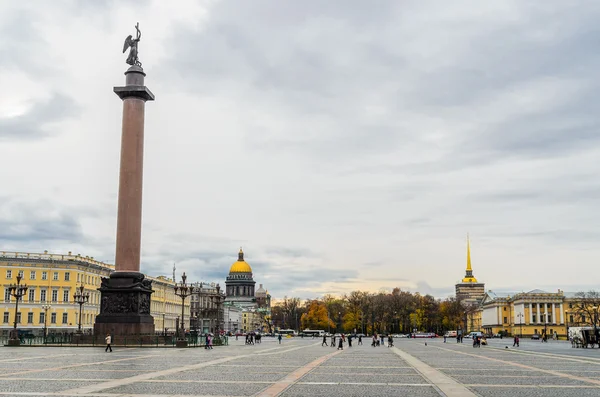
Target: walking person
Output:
[(349, 340), (341, 344), (516, 341), (332, 340), (324, 343), (279, 338), (360, 339), (108, 341)]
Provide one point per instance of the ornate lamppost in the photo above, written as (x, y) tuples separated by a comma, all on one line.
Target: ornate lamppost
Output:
[(183, 291), (520, 317), (595, 322), (18, 291), (218, 316), (81, 298), (45, 308)]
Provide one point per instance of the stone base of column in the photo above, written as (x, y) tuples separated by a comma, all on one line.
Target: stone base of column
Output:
[(125, 305)]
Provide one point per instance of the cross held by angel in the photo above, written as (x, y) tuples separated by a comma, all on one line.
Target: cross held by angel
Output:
[(132, 44)]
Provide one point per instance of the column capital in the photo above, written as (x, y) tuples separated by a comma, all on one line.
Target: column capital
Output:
[(134, 91)]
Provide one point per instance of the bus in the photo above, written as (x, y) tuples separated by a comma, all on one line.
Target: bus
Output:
[(313, 332), (286, 332)]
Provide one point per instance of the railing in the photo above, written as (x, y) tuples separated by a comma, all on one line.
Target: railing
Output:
[(121, 340)]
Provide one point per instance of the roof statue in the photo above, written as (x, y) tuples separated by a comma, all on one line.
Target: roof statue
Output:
[(132, 44)]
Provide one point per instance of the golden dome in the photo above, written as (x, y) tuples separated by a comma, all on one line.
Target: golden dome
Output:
[(241, 266)]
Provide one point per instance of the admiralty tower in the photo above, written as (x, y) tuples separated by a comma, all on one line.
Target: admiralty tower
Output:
[(469, 290)]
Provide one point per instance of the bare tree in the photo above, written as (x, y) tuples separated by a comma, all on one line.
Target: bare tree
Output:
[(587, 307)]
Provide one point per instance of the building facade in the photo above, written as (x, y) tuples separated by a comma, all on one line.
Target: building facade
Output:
[(207, 307), (232, 317), (51, 281), (527, 313)]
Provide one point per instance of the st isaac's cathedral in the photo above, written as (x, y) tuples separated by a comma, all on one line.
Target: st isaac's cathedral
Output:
[(240, 292)]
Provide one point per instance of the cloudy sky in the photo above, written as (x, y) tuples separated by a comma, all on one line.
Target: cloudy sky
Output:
[(344, 144)]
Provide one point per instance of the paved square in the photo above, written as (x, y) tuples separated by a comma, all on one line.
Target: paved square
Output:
[(302, 367)]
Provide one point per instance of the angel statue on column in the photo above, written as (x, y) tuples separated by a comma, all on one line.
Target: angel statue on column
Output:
[(132, 43)]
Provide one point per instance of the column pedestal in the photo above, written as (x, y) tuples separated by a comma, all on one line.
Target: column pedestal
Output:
[(125, 305)]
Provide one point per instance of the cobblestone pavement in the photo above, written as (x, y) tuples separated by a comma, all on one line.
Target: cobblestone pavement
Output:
[(301, 367)]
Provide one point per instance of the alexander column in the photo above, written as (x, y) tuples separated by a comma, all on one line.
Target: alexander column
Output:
[(125, 301)]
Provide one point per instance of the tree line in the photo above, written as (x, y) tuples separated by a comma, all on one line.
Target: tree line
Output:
[(396, 312)]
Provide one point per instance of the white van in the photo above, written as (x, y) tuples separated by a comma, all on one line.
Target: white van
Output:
[(475, 334), (451, 334)]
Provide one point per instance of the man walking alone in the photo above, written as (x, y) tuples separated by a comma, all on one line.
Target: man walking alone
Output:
[(108, 340)]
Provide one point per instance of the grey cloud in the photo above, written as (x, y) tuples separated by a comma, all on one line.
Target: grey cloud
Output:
[(424, 289), (35, 123), (25, 50), (290, 252), (31, 223)]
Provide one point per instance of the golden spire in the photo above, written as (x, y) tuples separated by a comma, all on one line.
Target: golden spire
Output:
[(468, 255), (469, 274)]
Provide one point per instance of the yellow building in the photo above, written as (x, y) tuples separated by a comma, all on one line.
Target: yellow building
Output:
[(534, 312), (51, 281)]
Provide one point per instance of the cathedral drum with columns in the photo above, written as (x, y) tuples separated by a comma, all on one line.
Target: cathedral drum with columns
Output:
[(240, 284)]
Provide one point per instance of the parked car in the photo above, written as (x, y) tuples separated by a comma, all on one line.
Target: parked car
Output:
[(535, 336)]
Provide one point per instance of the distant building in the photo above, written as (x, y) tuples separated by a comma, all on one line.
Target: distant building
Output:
[(534, 312), (207, 308), (240, 284), (254, 305), (469, 291), (232, 315)]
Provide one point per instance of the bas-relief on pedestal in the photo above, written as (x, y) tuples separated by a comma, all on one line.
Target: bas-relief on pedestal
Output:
[(125, 305)]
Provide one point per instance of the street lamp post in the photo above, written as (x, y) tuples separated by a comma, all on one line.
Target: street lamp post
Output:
[(18, 291), (183, 291), (595, 320), (545, 338), (45, 308), (81, 297), (520, 317)]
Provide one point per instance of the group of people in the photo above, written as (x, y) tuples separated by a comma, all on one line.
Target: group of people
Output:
[(380, 341), (377, 340), (252, 337), (341, 339)]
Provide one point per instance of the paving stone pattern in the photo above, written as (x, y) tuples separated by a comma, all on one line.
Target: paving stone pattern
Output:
[(302, 367)]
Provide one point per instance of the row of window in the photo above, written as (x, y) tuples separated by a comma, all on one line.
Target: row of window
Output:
[(43, 292), (67, 276), (65, 318), (534, 317)]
